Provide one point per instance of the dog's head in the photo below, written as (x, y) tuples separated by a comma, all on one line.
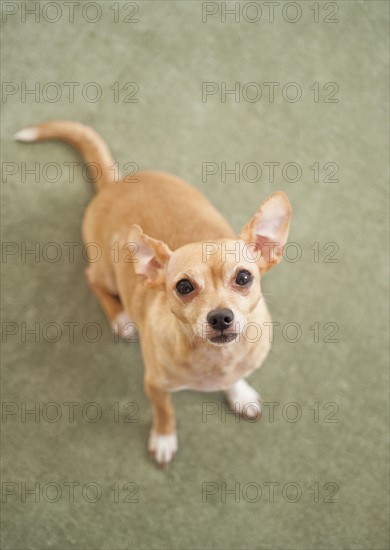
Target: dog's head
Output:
[(212, 287)]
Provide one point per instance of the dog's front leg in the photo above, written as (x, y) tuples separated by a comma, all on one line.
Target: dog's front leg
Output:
[(163, 438), (244, 400)]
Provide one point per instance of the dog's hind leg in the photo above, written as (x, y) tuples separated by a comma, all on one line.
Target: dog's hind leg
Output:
[(113, 308)]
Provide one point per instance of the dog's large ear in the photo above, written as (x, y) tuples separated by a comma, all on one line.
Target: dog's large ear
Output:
[(266, 233), (151, 257)]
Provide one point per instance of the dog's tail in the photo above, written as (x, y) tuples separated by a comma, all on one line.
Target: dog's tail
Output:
[(86, 141)]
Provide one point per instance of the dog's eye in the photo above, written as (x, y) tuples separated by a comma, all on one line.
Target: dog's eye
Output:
[(184, 286), (243, 278)]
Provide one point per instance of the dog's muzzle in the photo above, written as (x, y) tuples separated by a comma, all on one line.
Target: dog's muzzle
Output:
[(220, 320)]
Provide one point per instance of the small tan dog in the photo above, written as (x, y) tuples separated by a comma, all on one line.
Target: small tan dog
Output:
[(173, 265)]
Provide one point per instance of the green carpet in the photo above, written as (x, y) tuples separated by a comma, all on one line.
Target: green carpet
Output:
[(314, 474)]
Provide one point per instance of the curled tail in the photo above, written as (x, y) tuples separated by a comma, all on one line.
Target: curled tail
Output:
[(86, 141)]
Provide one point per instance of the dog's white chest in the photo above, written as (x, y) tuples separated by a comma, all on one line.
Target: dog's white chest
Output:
[(209, 371)]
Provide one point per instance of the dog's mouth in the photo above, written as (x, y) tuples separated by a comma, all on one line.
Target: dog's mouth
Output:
[(223, 338)]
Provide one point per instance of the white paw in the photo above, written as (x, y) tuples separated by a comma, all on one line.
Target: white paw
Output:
[(124, 327), (163, 447), (245, 400)]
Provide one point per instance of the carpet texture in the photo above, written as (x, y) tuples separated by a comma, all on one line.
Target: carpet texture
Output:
[(291, 96)]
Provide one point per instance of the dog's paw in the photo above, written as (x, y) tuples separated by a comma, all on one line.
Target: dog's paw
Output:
[(244, 399), (124, 327), (162, 447)]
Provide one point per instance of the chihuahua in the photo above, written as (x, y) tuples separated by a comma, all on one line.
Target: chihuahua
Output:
[(173, 267)]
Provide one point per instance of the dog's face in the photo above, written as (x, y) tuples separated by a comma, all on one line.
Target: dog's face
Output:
[(212, 287), (212, 290)]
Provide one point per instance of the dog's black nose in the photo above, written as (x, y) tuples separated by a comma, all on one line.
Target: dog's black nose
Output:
[(220, 319)]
